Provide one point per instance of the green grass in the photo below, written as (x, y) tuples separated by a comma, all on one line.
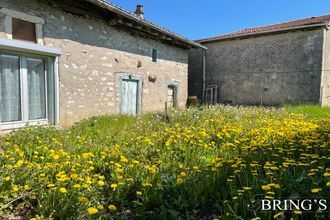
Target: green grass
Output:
[(205, 163), (311, 111)]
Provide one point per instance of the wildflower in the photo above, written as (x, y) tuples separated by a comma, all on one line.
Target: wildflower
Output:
[(7, 178), (76, 186), (266, 187), (101, 183), (83, 199), (328, 183), (92, 210), (74, 176), (114, 186), (100, 207), (327, 174), (15, 188), (51, 185), (63, 190), (146, 185), (179, 181), (183, 174), (112, 208), (247, 188), (138, 193), (26, 187), (315, 190)]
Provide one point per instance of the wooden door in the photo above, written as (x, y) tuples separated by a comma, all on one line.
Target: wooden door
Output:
[(129, 103)]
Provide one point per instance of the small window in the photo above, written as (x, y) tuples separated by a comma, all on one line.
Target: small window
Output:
[(154, 55), (23, 30)]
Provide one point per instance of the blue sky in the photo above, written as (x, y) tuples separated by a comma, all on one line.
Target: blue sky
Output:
[(196, 19)]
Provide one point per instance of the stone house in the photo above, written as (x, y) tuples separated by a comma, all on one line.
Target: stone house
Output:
[(62, 61), (271, 65)]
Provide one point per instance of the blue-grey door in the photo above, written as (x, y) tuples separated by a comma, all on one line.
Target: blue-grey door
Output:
[(129, 96)]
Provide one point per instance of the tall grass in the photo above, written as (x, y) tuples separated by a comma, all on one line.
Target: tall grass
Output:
[(203, 164), (312, 111)]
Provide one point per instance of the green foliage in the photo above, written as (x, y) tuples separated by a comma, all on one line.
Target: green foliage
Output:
[(205, 163), (312, 111)]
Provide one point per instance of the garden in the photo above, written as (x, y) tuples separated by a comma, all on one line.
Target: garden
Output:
[(202, 163)]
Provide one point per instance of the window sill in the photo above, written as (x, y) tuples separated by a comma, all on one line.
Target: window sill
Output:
[(26, 47), (20, 124)]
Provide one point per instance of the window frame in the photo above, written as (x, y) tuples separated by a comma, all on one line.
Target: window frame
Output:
[(23, 74), (37, 21)]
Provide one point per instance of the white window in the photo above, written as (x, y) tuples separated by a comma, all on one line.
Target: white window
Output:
[(27, 90)]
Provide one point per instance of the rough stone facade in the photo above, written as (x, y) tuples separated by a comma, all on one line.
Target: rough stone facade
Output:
[(269, 70), (94, 53), (195, 69)]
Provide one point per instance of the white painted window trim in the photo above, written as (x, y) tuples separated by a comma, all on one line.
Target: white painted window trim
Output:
[(9, 14), (24, 100), (57, 90)]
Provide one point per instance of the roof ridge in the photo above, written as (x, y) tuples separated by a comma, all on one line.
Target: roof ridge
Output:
[(276, 26)]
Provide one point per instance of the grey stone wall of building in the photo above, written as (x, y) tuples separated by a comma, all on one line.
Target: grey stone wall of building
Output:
[(195, 69), (325, 81), (94, 53), (267, 70)]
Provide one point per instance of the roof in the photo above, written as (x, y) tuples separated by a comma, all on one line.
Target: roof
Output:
[(296, 24), (165, 33)]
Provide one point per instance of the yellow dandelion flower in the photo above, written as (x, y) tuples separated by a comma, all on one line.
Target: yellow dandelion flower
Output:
[(266, 187), (112, 208), (138, 193), (328, 183), (100, 207), (179, 181), (74, 176), (83, 199), (315, 190), (76, 186), (51, 185), (183, 174), (114, 186), (63, 190), (326, 174), (92, 210), (7, 178), (15, 188), (101, 183)]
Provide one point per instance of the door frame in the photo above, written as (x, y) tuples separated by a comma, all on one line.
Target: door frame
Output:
[(134, 77), (176, 85)]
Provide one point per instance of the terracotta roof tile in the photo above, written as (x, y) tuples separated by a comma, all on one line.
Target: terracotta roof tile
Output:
[(274, 27)]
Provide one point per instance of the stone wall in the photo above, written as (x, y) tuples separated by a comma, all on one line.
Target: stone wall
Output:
[(94, 53), (268, 70), (195, 69)]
